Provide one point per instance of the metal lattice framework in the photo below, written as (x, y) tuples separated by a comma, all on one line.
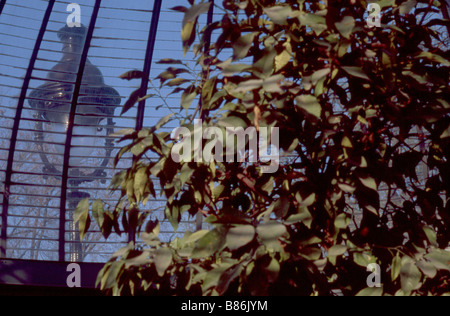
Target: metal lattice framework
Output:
[(44, 172)]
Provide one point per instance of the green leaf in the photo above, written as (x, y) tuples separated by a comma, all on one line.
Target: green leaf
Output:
[(273, 270), (212, 278), (240, 236), (232, 121), (177, 82), (434, 58), (271, 230), (303, 216), (363, 259), (140, 182), (319, 75), (270, 234), (372, 210), (273, 84), (431, 235), (187, 99), (371, 291), (311, 253), (439, 258), (280, 207), (410, 277), (282, 60), (307, 200), (192, 13), (98, 212), (396, 267), (427, 268), (228, 277), (355, 72), (164, 121), (341, 221), (279, 14), (163, 259), (233, 69), (134, 74), (265, 64), (190, 23), (81, 216), (111, 273), (316, 22), (185, 174), (310, 105), (218, 190), (208, 91), (347, 188), (193, 238), (407, 6), (346, 26), (198, 197), (153, 227), (170, 61), (369, 183), (148, 96), (188, 35), (343, 50), (337, 250), (173, 215), (243, 45), (166, 75), (209, 244), (386, 3), (132, 100), (446, 133), (249, 85), (179, 9), (346, 142)]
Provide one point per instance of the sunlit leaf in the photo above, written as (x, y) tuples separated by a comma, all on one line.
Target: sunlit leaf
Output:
[(134, 74), (369, 183), (337, 250), (407, 6), (356, 72), (310, 104), (345, 27), (81, 216), (410, 277), (163, 259), (371, 291), (243, 45), (282, 60), (239, 236), (209, 244), (396, 267), (279, 14)]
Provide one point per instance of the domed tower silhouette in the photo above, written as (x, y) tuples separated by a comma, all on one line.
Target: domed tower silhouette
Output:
[(61, 98)]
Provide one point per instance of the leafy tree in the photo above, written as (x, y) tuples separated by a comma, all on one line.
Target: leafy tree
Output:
[(364, 173)]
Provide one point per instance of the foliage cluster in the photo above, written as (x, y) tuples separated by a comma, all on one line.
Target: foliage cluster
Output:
[(365, 178)]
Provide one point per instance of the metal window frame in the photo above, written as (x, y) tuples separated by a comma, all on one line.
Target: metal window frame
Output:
[(2, 5), (53, 273), (69, 134), (16, 125), (14, 139), (148, 61)]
